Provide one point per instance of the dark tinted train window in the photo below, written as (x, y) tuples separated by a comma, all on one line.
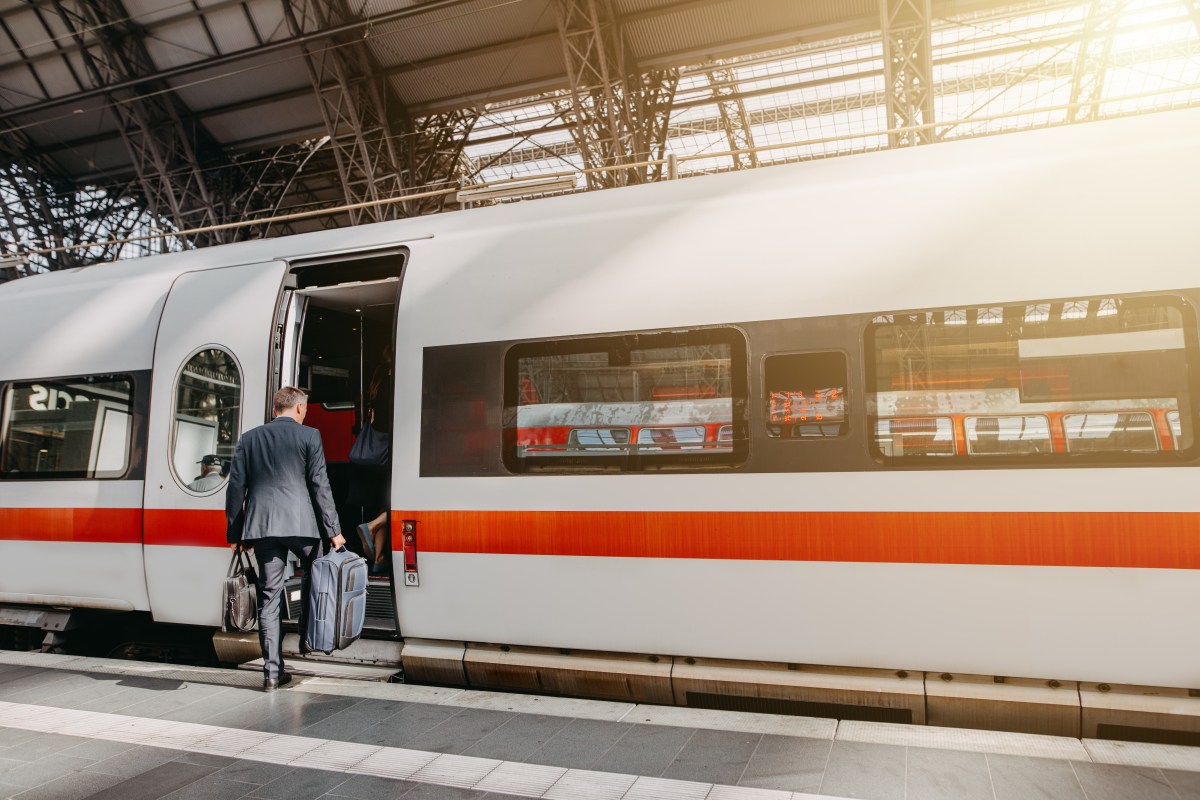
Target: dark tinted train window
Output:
[(68, 428), (462, 410), (639, 401), (1105, 377), (805, 395)]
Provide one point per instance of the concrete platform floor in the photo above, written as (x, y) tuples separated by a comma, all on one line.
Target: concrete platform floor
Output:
[(93, 728)]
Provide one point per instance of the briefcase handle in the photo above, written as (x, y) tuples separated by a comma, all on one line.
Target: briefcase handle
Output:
[(240, 565)]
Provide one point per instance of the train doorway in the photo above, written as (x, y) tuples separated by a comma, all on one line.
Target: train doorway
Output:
[(337, 343)]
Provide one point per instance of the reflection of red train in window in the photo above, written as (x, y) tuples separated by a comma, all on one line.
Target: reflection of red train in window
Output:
[(1144, 430), (785, 408), (625, 428), (1098, 376), (659, 396)]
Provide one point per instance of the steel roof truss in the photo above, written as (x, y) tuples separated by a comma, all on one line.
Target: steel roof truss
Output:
[(150, 117), (618, 118), (908, 68)]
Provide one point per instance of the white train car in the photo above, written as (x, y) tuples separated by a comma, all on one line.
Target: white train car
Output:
[(926, 410)]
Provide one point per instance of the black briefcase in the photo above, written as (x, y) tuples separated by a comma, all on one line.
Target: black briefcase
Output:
[(240, 596)]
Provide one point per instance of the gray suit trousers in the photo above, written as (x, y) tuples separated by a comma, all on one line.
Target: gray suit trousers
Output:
[(271, 554)]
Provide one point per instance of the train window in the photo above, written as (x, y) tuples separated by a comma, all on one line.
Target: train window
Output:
[(597, 439), (1110, 433), (204, 431), (1086, 376), (628, 402), (805, 395), (674, 437), (68, 428), (997, 436), (917, 436)]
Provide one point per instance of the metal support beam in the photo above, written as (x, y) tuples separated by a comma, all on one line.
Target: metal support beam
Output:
[(167, 154), (41, 209), (362, 118), (435, 158), (908, 68), (32, 196), (734, 119), (1057, 71), (380, 150), (25, 194), (260, 185), (618, 117), (1095, 48)]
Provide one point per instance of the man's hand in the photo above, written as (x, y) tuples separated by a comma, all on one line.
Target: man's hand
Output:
[(337, 541)]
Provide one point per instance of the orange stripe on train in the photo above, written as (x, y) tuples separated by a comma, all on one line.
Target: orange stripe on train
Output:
[(1164, 540), (191, 528), (105, 525)]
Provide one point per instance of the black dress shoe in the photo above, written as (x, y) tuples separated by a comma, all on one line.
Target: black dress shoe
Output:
[(271, 684)]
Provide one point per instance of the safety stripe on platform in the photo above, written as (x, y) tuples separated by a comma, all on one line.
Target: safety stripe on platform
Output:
[(420, 766), (1129, 754)]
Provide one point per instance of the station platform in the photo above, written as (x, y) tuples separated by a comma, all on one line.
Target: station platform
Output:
[(73, 727)]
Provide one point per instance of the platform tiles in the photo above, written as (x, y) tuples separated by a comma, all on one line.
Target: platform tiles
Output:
[(76, 727)]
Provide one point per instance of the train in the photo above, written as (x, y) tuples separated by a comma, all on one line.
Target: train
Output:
[(918, 411)]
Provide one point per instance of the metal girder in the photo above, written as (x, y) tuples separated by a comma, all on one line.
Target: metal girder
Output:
[(217, 62), (362, 117), (380, 151), (1095, 47), (733, 116), (33, 201), (43, 210), (618, 117), (435, 158), (167, 154), (259, 186), (1058, 72), (1053, 71), (908, 68), (25, 192)]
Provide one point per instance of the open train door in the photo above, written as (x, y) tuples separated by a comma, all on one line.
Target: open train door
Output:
[(209, 384), (338, 323)]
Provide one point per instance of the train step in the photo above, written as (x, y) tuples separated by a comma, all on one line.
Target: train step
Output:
[(366, 659), (328, 669)]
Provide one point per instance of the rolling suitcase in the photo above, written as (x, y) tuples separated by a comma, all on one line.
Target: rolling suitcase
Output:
[(337, 601)]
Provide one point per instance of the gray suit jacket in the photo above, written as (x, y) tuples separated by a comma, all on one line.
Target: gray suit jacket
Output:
[(278, 485)]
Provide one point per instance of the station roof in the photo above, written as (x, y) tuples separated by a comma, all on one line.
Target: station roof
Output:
[(239, 68)]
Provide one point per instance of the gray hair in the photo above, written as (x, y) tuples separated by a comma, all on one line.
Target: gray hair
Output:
[(288, 397)]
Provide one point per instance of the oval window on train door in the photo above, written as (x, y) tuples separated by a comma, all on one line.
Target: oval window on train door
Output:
[(204, 423)]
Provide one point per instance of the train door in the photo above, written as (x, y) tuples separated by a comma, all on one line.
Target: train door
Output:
[(210, 379), (338, 346)]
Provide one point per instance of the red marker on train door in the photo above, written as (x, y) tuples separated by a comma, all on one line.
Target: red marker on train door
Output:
[(408, 529)]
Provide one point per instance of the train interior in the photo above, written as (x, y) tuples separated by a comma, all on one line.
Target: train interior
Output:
[(341, 354)]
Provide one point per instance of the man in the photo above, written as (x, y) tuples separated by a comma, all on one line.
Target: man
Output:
[(279, 502), (210, 475)]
